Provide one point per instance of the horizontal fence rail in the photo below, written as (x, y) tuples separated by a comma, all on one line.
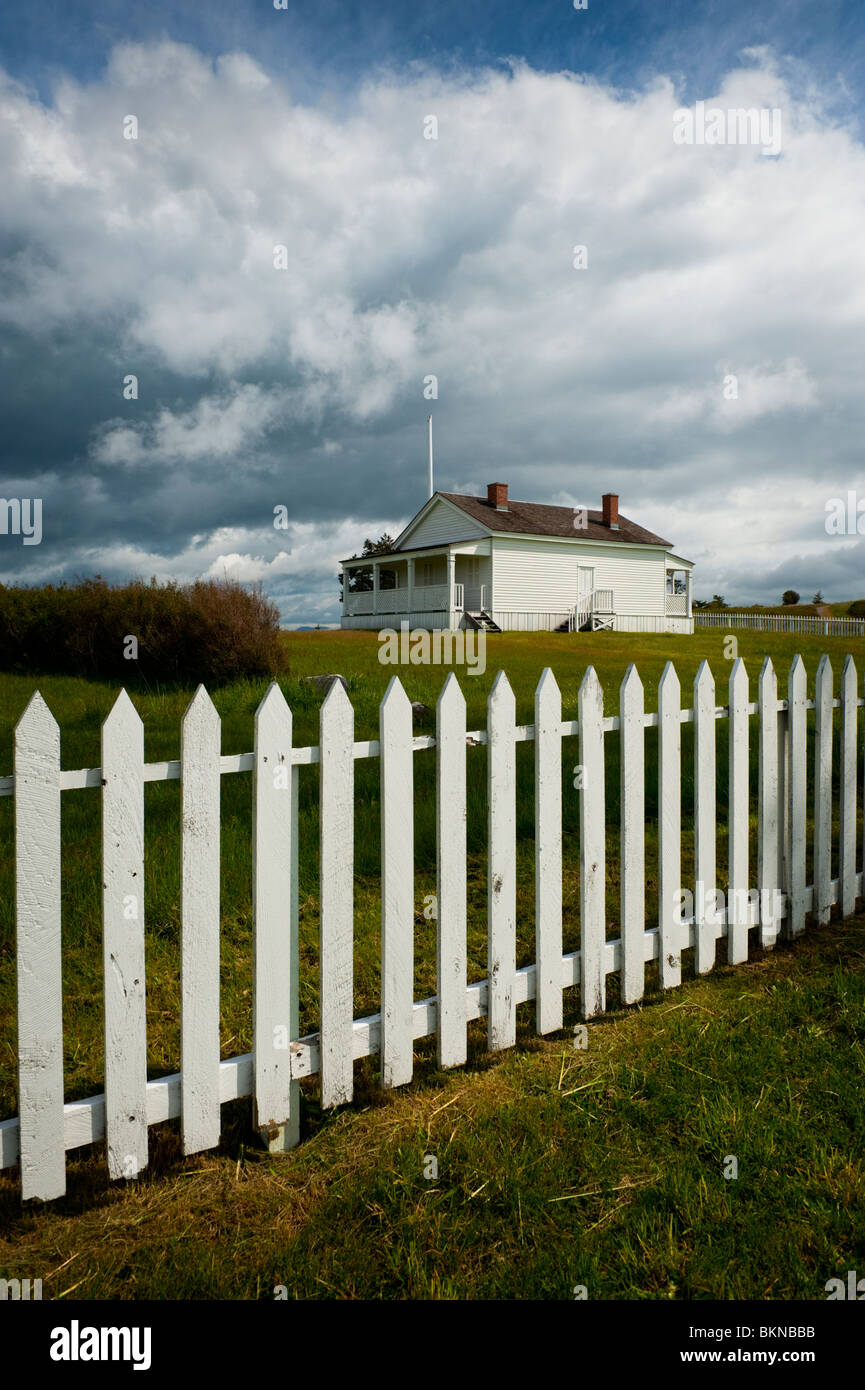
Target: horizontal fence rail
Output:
[(802, 624), (47, 1128)]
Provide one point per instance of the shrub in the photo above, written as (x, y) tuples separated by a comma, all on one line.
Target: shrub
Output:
[(211, 631), (789, 596), (857, 609)]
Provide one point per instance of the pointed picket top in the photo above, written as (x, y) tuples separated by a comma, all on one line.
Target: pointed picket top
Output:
[(451, 696), (337, 697), (395, 697), (547, 685), (848, 674), (200, 708), (824, 675), (273, 705), (37, 717), (590, 686), (669, 681), (501, 697), (738, 680), (704, 681), (797, 680), (768, 681), (122, 716), (631, 689)]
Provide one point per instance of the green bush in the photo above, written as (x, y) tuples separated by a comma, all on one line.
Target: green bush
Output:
[(211, 631), (857, 609)]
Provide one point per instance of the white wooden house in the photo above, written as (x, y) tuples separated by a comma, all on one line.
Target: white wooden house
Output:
[(496, 563)]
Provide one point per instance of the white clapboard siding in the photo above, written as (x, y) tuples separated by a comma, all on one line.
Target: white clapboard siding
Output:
[(593, 978), (123, 939), (548, 853), (40, 992), (336, 892), (737, 825), (397, 885), (823, 791), (451, 874), (768, 803), (797, 734), (706, 924), (633, 847), (199, 968), (272, 868), (670, 827), (847, 808), (502, 866)]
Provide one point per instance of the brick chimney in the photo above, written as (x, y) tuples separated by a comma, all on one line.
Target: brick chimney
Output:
[(497, 496), (610, 505)]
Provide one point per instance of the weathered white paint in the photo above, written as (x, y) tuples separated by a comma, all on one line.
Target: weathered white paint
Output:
[(272, 870), (704, 816), (548, 852), (670, 827), (502, 866), (737, 816), (823, 790), (199, 895), (37, 910), (847, 807), (592, 847), (797, 692), (123, 939), (451, 873), (397, 885), (767, 830), (633, 852), (38, 781), (336, 894)]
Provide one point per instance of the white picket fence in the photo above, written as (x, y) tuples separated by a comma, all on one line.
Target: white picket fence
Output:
[(803, 623), (47, 1128)]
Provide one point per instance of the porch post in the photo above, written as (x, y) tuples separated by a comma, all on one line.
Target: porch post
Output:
[(452, 567), (409, 587), (375, 586)]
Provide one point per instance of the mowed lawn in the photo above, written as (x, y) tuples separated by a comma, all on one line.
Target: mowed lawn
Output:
[(763, 1062)]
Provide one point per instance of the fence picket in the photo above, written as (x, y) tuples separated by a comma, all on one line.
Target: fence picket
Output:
[(823, 791), (123, 939), (548, 854), (502, 866), (706, 922), (397, 885), (847, 809), (272, 852), (633, 851), (593, 927), (669, 827), (199, 969), (737, 898), (336, 894), (797, 734), (451, 873), (40, 992), (768, 803)]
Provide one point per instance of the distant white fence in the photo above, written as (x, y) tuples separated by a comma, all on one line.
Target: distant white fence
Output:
[(47, 1128), (781, 622)]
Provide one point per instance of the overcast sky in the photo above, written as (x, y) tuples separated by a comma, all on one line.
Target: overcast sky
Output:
[(303, 386)]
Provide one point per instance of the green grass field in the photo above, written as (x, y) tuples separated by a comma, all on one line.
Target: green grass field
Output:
[(639, 1124)]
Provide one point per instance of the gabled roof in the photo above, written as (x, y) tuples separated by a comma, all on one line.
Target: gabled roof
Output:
[(537, 519)]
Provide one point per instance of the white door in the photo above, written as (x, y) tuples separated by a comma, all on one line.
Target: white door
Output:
[(585, 583)]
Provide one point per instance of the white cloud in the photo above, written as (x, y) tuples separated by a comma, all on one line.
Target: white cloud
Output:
[(453, 256)]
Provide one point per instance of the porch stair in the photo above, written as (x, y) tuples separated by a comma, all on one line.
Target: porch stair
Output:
[(482, 621)]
